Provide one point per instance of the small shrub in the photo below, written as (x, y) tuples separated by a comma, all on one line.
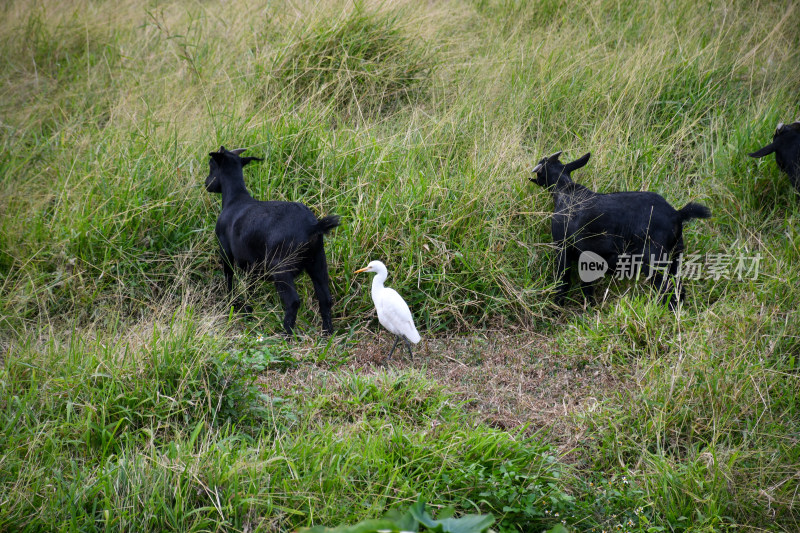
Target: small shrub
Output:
[(363, 64)]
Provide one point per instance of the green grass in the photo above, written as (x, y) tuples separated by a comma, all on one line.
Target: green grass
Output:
[(132, 399)]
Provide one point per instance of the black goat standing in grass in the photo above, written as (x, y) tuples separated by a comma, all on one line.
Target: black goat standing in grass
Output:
[(786, 145), (276, 239), (639, 224)]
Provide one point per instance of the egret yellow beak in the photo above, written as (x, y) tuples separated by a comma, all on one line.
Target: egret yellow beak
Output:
[(361, 270)]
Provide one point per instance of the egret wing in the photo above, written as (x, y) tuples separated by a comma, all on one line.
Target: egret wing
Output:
[(394, 315)]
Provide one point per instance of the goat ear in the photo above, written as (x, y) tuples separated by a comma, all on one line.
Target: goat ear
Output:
[(768, 149), (246, 160), (216, 156), (238, 151), (578, 163)]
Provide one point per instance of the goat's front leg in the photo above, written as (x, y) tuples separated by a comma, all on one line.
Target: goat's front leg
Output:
[(228, 277), (669, 292), (284, 283), (587, 287), (562, 273), (227, 267)]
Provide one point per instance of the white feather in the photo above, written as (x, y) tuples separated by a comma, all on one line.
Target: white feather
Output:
[(393, 312)]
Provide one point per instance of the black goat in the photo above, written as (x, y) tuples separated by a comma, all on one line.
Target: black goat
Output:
[(641, 225), (276, 239), (786, 145)]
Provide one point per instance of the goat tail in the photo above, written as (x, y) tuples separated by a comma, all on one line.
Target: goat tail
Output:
[(325, 224), (693, 210)]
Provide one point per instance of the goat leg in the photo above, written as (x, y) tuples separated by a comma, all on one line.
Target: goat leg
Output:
[(284, 284), (562, 273), (587, 287), (318, 273), (238, 306)]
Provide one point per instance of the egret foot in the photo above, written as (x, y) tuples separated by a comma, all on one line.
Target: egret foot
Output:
[(397, 339)]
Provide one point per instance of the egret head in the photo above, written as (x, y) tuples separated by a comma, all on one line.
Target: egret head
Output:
[(373, 266)]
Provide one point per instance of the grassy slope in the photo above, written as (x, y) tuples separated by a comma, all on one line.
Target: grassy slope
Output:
[(125, 400)]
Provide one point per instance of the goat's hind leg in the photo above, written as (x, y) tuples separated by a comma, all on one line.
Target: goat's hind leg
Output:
[(663, 276), (678, 294), (318, 272), (284, 283)]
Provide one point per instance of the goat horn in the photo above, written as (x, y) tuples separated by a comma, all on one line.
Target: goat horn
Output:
[(238, 151), (554, 156), (537, 168), (780, 126)]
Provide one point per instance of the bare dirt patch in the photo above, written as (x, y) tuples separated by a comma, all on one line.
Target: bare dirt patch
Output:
[(508, 379)]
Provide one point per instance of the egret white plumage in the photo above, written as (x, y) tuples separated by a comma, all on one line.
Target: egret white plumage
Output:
[(393, 312)]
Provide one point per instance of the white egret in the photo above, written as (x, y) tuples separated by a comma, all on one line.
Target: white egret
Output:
[(393, 312)]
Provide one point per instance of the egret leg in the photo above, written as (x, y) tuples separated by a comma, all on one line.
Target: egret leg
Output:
[(408, 345), (396, 340)]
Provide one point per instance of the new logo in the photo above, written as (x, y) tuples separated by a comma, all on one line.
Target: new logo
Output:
[(591, 266)]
